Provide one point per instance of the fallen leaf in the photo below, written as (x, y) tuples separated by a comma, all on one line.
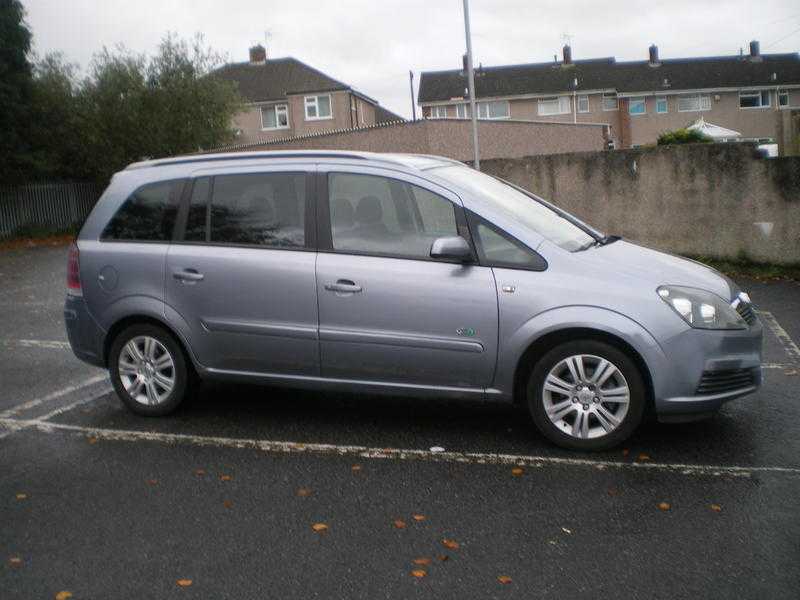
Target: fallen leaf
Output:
[(200, 472), (225, 477), (517, 471), (355, 468), (319, 527), (184, 582), (63, 595), (15, 561), (567, 531), (625, 452), (400, 524), (303, 492), (643, 456), (422, 561), (227, 504), (419, 572), (419, 517), (443, 557), (21, 496), (552, 542), (612, 491), (664, 506), (92, 440), (790, 372), (504, 579), (152, 481), (452, 544), (716, 508)]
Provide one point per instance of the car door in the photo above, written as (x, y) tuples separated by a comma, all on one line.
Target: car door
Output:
[(388, 312), (240, 281)]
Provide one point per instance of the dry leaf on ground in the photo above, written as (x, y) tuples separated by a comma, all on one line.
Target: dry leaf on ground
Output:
[(643, 456), (355, 468), (664, 506), (716, 508), (625, 452), (303, 492), (517, 471), (504, 579), (225, 477), (443, 557), (15, 561), (152, 481), (319, 527), (63, 595), (452, 544), (419, 517), (200, 472), (612, 491), (422, 561), (400, 524), (184, 582), (419, 572), (92, 440), (227, 504), (565, 530), (21, 496)]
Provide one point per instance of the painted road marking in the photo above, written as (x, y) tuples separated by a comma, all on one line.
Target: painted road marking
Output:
[(14, 410), (50, 344), (783, 337), (473, 458)]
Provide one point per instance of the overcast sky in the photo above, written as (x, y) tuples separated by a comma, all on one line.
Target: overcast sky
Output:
[(372, 44)]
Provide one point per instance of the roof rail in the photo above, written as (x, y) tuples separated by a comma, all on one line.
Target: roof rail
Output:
[(228, 156)]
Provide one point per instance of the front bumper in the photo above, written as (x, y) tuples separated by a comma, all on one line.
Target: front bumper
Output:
[(85, 336), (731, 360)]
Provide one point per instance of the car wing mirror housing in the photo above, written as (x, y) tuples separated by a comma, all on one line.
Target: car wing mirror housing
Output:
[(452, 248)]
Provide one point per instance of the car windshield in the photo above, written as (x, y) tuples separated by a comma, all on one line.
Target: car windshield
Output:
[(519, 206)]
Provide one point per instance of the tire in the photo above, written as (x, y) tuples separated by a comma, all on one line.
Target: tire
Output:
[(154, 398), (586, 416)]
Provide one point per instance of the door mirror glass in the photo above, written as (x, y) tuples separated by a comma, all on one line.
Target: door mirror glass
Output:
[(453, 248)]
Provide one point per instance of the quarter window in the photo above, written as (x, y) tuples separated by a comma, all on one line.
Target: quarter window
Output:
[(559, 105), (259, 209), (318, 107), (661, 105), (694, 103), (637, 106), (386, 217), (275, 117), (583, 104), (610, 101), (754, 99), (147, 215), (499, 250)]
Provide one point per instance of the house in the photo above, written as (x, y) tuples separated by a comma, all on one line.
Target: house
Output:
[(286, 98), (638, 99)]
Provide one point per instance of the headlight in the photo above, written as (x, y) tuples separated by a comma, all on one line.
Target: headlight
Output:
[(701, 309)]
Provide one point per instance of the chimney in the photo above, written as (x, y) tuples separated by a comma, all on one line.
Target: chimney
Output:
[(258, 55), (755, 51), (567, 54), (654, 62)]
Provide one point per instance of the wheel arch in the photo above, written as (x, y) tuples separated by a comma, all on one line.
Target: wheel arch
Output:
[(138, 319)]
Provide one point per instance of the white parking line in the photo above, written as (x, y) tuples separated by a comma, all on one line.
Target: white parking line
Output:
[(49, 344), (783, 337), (474, 458), (14, 410)]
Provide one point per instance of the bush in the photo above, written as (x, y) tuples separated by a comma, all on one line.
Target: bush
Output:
[(683, 136)]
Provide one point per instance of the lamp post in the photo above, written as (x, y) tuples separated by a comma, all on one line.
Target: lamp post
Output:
[(471, 80)]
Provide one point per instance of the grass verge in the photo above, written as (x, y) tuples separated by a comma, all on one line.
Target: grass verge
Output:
[(744, 267)]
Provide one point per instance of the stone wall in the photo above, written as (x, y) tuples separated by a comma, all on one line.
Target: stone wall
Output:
[(715, 200)]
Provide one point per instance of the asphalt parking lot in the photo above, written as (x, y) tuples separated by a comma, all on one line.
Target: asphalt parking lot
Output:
[(220, 500)]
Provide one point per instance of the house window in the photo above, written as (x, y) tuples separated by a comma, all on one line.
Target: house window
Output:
[(462, 111), (754, 99), (558, 105), (783, 98), (637, 106), (583, 104), (610, 101), (275, 116), (694, 103), (318, 107), (661, 105), (497, 109), (438, 112)]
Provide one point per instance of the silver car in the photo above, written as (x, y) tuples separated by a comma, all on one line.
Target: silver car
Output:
[(400, 274)]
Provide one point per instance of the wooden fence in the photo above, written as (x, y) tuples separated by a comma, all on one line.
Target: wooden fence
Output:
[(45, 206)]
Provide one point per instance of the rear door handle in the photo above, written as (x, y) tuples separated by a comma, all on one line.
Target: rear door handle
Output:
[(343, 286), (188, 275)]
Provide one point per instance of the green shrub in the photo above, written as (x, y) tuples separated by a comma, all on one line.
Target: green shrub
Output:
[(683, 136)]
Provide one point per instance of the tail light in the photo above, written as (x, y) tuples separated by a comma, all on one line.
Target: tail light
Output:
[(74, 271)]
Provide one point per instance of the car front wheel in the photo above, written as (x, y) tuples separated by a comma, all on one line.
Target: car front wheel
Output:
[(586, 395)]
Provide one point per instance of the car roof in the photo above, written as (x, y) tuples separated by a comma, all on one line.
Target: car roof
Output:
[(411, 161)]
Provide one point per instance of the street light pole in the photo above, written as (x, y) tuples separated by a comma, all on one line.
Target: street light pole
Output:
[(413, 103), (471, 79)]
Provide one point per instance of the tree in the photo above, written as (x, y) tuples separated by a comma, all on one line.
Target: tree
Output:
[(683, 136), (15, 91)]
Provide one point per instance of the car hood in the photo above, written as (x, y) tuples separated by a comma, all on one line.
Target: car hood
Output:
[(659, 268)]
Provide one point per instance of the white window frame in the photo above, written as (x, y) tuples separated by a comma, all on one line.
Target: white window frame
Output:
[(438, 112), (638, 101), (609, 95), (703, 102), (563, 106), (755, 93), (309, 101), (581, 99), (659, 100), (483, 110), (283, 108), (462, 111), (784, 93)]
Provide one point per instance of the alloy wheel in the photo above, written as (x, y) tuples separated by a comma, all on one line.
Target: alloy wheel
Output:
[(147, 370)]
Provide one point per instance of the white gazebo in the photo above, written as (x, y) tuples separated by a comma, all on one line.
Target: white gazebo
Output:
[(715, 132)]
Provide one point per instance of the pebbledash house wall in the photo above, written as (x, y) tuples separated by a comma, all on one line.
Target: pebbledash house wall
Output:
[(451, 138), (343, 105), (713, 200)]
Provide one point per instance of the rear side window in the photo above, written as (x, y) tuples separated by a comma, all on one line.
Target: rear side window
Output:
[(148, 215), (260, 209)]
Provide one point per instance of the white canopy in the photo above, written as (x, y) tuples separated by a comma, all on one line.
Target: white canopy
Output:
[(714, 131)]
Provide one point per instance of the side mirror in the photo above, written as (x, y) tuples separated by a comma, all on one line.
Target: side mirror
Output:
[(453, 248)]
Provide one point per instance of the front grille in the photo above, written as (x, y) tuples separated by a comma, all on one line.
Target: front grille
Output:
[(745, 310), (719, 382)]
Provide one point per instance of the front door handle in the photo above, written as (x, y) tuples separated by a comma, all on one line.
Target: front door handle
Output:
[(188, 275), (343, 286)]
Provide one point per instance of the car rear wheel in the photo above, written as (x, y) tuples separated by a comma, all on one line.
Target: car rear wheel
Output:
[(586, 395), (148, 370)]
